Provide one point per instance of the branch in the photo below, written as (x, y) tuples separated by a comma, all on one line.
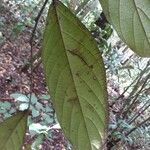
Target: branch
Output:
[(141, 110), (36, 21), (31, 46), (139, 125), (112, 143), (133, 91), (137, 80), (32, 61), (137, 95)]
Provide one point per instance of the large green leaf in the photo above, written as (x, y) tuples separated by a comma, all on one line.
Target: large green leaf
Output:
[(12, 131), (131, 19), (76, 79)]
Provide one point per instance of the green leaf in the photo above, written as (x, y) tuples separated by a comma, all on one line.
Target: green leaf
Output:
[(23, 106), (20, 97), (38, 141), (5, 105), (12, 131), (36, 128), (3, 111), (45, 97), (76, 79), (48, 119), (33, 98), (12, 110), (48, 109), (35, 112), (39, 106), (6, 115), (131, 19)]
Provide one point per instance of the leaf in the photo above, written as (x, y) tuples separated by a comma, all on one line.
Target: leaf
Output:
[(45, 97), (5, 105), (131, 19), (6, 115), (12, 131), (76, 79), (39, 106), (20, 97), (23, 106), (35, 113), (55, 126), (37, 142), (33, 98), (12, 110), (48, 109), (3, 111), (36, 128), (48, 119)]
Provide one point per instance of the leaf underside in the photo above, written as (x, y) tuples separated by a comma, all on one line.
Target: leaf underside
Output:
[(12, 131), (131, 19), (76, 79)]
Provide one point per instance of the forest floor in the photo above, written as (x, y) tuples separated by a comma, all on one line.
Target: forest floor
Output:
[(14, 77)]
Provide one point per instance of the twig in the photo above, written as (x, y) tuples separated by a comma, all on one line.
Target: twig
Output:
[(139, 125), (28, 64), (137, 95), (137, 80), (131, 94), (37, 64), (134, 93), (121, 95), (113, 143), (31, 50), (140, 77), (140, 111)]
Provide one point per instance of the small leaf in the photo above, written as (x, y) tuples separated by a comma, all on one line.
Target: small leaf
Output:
[(2, 111), (35, 112), (36, 128), (131, 19), (76, 78), (39, 106), (30, 120), (38, 141), (12, 131), (23, 106), (20, 97), (112, 126), (56, 126), (48, 119), (12, 111), (48, 109), (6, 115), (5, 105), (33, 98), (45, 97)]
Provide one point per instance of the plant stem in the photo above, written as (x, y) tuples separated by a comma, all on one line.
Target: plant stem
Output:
[(31, 50), (137, 95), (139, 125), (112, 143), (28, 65), (141, 110)]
